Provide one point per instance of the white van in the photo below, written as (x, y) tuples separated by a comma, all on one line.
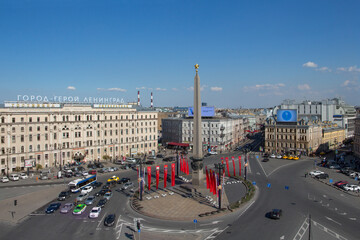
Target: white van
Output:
[(14, 177)]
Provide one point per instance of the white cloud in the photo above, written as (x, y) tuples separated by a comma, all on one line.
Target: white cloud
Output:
[(71, 88), (141, 88), (350, 85), (266, 86), (112, 89), (349, 69), (160, 89), (323, 69), (310, 64), (346, 83), (216, 89), (202, 88), (174, 89), (304, 87)]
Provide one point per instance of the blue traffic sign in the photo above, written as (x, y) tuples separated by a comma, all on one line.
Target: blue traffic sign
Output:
[(356, 178), (139, 230), (331, 181), (195, 221), (287, 187), (257, 156), (269, 185), (254, 183)]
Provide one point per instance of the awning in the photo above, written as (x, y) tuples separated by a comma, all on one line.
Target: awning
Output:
[(178, 144)]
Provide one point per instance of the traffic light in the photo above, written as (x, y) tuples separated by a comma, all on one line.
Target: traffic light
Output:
[(138, 225), (15, 202)]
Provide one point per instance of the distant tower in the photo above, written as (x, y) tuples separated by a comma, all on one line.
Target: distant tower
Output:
[(152, 103), (138, 98), (197, 161)]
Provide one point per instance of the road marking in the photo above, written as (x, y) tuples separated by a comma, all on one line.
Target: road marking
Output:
[(330, 219), (334, 234), (282, 237), (344, 213), (245, 209), (215, 234), (354, 219), (302, 230), (258, 173), (102, 219), (214, 222)]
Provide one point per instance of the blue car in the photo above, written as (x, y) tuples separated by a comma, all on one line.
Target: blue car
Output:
[(53, 207)]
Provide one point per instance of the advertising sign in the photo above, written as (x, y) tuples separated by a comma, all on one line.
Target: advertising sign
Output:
[(205, 112), (165, 174), (29, 163), (287, 115), (173, 174)]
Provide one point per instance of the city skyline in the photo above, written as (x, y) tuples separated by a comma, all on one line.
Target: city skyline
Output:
[(250, 54)]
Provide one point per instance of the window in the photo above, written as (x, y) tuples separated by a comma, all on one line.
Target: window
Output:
[(30, 129), (13, 119)]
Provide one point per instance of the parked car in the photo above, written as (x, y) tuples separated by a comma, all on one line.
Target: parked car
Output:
[(23, 176), (87, 189), (123, 180), (102, 203), (213, 153), (160, 156), (79, 209), (67, 208), (109, 220), (44, 177), (92, 172), (275, 214), (354, 174), (64, 195), (95, 212), (82, 197), (152, 157), (4, 179), (265, 160), (53, 207), (14, 177), (279, 156), (127, 185), (150, 162), (350, 187), (315, 173), (335, 166), (99, 165), (90, 200), (266, 155), (322, 176), (101, 192), (130, 160), (272, 156), (340, 183), (108, 195), (113, 178)]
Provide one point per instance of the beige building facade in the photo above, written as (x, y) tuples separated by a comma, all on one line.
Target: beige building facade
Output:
[(301, 137), (54, 134), (332, 135)]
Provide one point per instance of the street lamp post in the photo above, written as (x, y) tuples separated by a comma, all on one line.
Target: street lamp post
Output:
[(60, 156), (220, 167), (8, 150), (222, 135), (246, 162), (140, 180)]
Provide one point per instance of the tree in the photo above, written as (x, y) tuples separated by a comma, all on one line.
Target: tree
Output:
[(38, 167)]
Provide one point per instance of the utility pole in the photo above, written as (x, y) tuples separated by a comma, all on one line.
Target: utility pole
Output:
[(309, 226), (220, 167)]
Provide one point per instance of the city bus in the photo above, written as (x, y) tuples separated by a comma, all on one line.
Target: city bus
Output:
[(78, 184)]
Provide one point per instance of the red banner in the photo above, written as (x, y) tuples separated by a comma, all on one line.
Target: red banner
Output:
[(157, 176), (227, 166), (187, 168), (181, 165), (173, 174), (240, 166), (233, 160), (207, 178), (214, 183), (149, 177), (165, 174), (211, 181)]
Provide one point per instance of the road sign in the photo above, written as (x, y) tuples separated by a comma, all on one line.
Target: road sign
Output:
[(257, 156), (287, 187), (139, 230), (331, 181), (195, 221), (269, 185), (254, 183)]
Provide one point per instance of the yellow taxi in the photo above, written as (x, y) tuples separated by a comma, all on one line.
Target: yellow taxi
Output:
[(296, 158), (285, 157), (113, 178), (290, 157)]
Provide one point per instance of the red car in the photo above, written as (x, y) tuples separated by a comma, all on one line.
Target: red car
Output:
[(340, 183), (92, 172)]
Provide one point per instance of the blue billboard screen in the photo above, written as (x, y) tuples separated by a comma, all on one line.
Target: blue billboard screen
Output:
[(287, 115), (205, 112)]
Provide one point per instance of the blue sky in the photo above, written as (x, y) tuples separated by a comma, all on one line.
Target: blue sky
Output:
[(251, 53)]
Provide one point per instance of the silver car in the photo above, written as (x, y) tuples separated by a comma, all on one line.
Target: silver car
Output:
[(128, 185), (108, 195), (90, 200), (67, 208), (82, 197)]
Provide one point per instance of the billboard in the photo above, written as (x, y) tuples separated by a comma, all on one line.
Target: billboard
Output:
[(205, 111), (287, 115), (29, 163)]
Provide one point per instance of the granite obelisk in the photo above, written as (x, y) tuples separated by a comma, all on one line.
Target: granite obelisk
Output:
[(197, 159)]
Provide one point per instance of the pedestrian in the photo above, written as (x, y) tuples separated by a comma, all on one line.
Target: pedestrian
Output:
[(305, 175)]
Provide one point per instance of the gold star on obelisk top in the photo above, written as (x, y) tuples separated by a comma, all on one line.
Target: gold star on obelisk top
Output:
[(196, 67)]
